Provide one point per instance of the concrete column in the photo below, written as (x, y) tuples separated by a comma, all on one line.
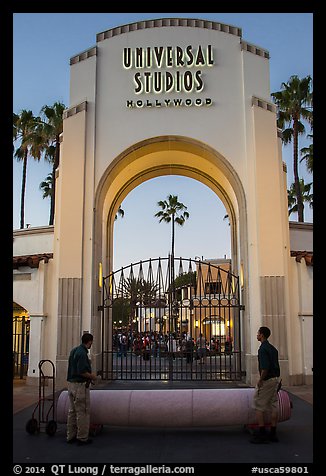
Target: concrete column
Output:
[(306, 321), (35, 347), (69, 324)]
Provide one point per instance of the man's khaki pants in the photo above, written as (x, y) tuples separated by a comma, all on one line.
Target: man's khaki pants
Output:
[(79, 411)]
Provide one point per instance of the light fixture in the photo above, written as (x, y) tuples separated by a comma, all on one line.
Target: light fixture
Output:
[(100, 274), (241, 275)]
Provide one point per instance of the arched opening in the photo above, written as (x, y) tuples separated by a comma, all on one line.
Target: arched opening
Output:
[(21, 332), (138, 234), (157, 157)]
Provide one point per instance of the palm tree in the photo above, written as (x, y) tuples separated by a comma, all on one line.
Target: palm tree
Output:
[(308, 155), (138, 291), (305, 193), (52, 128), (121, 310), (294, 103), (171, 212), (174, 212), (120, 213), (27, 131), (47, 187)]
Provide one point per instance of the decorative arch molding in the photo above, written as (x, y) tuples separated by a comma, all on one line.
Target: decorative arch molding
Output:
[(167, 155), (168, 22)]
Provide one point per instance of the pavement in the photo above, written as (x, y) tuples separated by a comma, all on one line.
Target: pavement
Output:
[(121, 445)]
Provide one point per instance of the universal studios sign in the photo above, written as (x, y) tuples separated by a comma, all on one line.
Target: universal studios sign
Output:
[(168, 70)]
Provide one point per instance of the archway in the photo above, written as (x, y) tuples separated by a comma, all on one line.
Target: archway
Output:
[(204, 234), (154, 157), (167, 155), (21, 331)]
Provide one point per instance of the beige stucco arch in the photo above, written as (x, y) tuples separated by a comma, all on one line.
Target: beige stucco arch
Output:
[(167, 155)]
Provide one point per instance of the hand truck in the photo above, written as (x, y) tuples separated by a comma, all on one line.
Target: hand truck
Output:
[(46, 403)]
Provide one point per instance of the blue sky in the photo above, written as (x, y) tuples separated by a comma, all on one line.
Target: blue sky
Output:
[(43, 43)]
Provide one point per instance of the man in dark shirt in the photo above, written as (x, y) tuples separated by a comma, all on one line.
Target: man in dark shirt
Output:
[(79, 377), (265, 397)]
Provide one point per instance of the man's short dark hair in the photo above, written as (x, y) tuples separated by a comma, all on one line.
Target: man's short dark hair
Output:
[(87, 337), (265, 331)]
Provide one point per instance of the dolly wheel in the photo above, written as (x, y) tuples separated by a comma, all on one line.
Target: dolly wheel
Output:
[(32, 426), (51, 427)]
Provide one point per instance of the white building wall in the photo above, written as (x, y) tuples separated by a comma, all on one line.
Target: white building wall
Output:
[(301, 321), (28, 289), (33, 289), (33, 240), (234, 76), (301, 236)]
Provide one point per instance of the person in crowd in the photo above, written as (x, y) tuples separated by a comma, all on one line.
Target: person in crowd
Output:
[(146, 347), (190, 350), (201, 348), (123, 344)]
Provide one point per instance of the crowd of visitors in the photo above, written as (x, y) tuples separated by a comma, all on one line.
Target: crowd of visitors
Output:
[(156, 344)]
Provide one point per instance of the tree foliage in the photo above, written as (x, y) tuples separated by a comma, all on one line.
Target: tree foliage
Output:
[(294, 104), (172, 211)]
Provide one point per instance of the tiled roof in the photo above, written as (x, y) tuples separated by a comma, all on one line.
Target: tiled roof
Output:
[(31, 260), (18, 307), (307, 255)]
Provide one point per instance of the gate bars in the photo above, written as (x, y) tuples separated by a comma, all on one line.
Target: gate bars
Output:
[(171, 319)]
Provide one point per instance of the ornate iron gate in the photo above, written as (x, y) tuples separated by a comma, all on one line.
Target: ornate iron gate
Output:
[(21, 327), (171, 319)]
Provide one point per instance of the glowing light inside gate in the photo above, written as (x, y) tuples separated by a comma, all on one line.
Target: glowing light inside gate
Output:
[(100, 274), (217, 326), (241, 275)]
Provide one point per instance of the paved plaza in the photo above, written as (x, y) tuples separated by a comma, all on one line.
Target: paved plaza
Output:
[(121, 445)]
